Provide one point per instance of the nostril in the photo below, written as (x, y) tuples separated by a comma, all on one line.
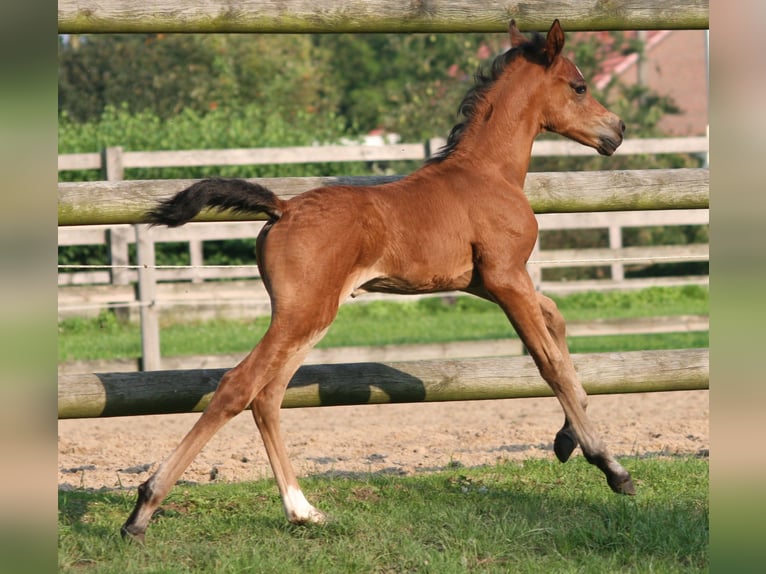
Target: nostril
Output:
[(622, 126)]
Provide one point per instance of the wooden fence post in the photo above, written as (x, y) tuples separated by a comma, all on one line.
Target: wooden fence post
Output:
[(113, 169), (111, 162), (535, 270), (615, 242), (147, 297), (197, 259), (432, 146), (117, 242)]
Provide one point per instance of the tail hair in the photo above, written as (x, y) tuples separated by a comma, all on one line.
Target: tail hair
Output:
[(237, 195)]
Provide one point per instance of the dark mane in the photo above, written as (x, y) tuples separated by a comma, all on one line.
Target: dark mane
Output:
[(484, 80)]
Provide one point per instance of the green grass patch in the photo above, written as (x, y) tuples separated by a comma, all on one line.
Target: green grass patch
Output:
[(536, 516), (378, 323)]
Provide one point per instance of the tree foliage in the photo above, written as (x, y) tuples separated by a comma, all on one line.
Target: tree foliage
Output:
[(406, 83), (168, 73), (217, 91)]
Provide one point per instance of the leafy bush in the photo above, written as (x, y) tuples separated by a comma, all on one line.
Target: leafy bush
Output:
[(219, 129), (248, 127)]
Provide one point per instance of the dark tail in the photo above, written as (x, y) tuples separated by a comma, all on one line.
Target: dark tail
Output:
[(237, 195)]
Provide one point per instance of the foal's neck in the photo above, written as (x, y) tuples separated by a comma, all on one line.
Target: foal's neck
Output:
[(502, 131)]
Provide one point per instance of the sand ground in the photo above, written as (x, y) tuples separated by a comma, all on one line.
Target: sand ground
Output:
[(398, 438)]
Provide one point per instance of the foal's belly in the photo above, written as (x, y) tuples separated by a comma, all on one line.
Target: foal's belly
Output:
[(411, 284)]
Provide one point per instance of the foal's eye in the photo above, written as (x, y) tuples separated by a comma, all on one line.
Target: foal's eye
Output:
[(580, 89)]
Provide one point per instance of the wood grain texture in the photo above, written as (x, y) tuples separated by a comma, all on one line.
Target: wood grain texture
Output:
[(114, 202), (160, 392), (335, 16), (361, 152)]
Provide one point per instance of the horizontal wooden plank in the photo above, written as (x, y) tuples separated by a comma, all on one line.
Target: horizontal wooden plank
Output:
[(105, 202), (265, 156), (545, 259), (161, 392), (90, 235), (638, 326), (569, 287), (649, 146), (224, 230), (621, 190), (414, 352), (332, 355), (247, 299), (355, 152), (303, 16), (633, 255), (86, 278), (75, 161), (599, 220), (209, 231)]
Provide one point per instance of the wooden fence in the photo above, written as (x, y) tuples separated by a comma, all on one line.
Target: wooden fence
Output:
[(80, 295), (159, 291), (125, 202), (300, 16), (86, 395), (113, 161)]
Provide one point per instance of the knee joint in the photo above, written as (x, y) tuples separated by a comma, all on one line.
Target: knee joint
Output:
[(551, 314), (231, 396)]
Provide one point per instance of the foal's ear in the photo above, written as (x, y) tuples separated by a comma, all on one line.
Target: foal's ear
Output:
[(517, 38), (554, 43)]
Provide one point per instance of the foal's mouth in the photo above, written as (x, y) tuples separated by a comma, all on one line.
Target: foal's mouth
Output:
[(607, 144), (611, 137)]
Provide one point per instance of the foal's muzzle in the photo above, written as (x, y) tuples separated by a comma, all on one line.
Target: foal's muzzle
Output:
[(609, 142)]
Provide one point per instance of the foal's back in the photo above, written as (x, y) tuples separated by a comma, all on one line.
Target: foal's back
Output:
[(415, 235)]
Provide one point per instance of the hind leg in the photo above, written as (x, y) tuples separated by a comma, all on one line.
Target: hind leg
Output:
[(260, 381), (265, 408), (515, 293), (234, 393), (566, 440)]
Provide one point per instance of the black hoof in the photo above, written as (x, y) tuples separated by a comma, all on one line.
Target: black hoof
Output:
[(563, 445), (622, 484)]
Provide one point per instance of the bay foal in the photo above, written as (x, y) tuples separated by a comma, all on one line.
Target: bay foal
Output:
[(460, 222)]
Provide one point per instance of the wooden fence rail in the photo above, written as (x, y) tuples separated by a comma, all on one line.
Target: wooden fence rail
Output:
[(161, 392), (302, 16), (342, 153), (413, 352), (115, 202), (117, 239), (112, 163)]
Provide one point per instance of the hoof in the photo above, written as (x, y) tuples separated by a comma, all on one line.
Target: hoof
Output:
[(128, 534), (622, 484), (313, 517), (563, 445)]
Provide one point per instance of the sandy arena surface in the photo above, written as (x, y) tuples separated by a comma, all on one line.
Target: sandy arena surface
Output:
[(399, 438)]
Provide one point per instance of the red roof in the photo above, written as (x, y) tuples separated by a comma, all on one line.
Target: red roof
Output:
[(614, 59)]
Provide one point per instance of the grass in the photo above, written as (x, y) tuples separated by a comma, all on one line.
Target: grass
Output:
[(379, 323), (536, 516)]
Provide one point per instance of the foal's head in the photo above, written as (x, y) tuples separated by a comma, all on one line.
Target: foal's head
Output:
[(565, 104), (535, 84)]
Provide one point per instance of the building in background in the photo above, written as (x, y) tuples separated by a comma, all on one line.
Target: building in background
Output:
[(674, 65)]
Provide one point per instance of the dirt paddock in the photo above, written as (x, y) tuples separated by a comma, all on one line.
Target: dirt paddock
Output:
[(397, 438)]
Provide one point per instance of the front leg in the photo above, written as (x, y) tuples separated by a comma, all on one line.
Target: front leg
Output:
[(541, 328)]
